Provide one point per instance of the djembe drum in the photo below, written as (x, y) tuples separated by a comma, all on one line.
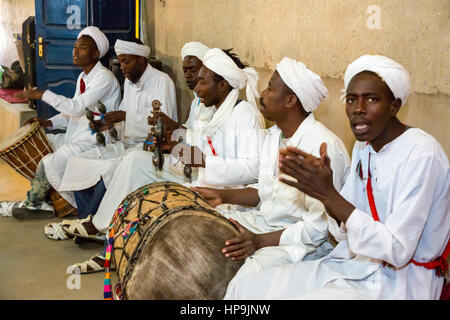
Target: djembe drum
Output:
[(167, 244), (23, 150)]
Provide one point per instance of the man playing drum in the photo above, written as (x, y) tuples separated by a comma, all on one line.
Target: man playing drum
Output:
[(89, 173), (288, 225), (227, 142), (95, 83)]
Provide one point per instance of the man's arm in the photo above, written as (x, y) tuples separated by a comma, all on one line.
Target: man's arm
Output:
[(245, 197)]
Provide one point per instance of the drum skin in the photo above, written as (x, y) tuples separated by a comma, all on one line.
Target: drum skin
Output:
[(175, 252)]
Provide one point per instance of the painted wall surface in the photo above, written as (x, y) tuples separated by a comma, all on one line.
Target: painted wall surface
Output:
[(325, 35), (12, 14)]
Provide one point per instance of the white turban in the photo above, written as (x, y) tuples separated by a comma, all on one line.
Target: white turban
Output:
[(196, 49), (391, 72), (99, 37), (307, 85), (128, 47), (219, 62)]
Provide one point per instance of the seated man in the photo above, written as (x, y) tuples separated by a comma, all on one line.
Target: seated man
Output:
[(192, 54), (95, 83), (288, 225), (89, 173), (229, 155), (392, 210)]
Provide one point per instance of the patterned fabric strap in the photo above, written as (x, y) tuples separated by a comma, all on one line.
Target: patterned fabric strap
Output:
[(107, 288), (211, 146)]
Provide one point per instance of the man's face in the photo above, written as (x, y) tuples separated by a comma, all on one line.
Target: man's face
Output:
[(273, 98), (131, 66), (370, 107), (85, 52), (191, 67), (207, 87)]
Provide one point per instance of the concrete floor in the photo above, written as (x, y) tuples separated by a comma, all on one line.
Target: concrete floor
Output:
[(33, 266)]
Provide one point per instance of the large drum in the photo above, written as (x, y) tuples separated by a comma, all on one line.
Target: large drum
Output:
[(167, 245), (23, 150)]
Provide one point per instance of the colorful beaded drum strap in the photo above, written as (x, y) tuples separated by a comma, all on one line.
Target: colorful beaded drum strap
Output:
[(129, 230)]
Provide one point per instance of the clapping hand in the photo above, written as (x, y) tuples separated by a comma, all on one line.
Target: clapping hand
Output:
[(313, 175)]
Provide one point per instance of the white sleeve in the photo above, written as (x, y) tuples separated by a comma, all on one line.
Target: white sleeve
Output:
[(59, 121), (167, 97), (99, 87), (242, 170), (395, 241), (309, 232)]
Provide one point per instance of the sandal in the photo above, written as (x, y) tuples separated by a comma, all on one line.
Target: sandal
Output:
[(82, 268), (76, 228), (55, 231)]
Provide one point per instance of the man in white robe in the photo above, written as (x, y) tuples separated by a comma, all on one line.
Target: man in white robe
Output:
[(234, 132), (96, 83), (391, 216), (94, 169), (286, 226), (143, 84)]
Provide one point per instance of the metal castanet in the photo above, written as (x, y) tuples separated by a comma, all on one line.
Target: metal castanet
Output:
[(100, 137), (112, 130), (157, 131)]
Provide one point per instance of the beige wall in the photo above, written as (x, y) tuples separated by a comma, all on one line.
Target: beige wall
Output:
[(326, 36), (12, 14)]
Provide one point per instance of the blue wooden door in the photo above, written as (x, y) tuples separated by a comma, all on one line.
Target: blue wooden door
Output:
[(58, 23)]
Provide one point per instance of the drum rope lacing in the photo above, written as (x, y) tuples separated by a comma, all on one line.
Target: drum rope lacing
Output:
[(24, 166)]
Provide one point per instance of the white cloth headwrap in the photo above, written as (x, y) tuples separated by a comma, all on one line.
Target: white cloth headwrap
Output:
[(128, 47), (307, 85), (391, 72), (196, 49), (202, 114), (219, 62), (99, 37)]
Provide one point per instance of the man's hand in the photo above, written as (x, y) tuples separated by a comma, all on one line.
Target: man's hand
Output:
[(42, 122), (314, 175), (33, 94), (115, 116), (98, 125), (242, 246), (315, 178), (169, 124), (213, 196)]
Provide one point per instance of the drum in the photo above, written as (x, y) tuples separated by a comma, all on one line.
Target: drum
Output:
[(167, 245), (23, 150)]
